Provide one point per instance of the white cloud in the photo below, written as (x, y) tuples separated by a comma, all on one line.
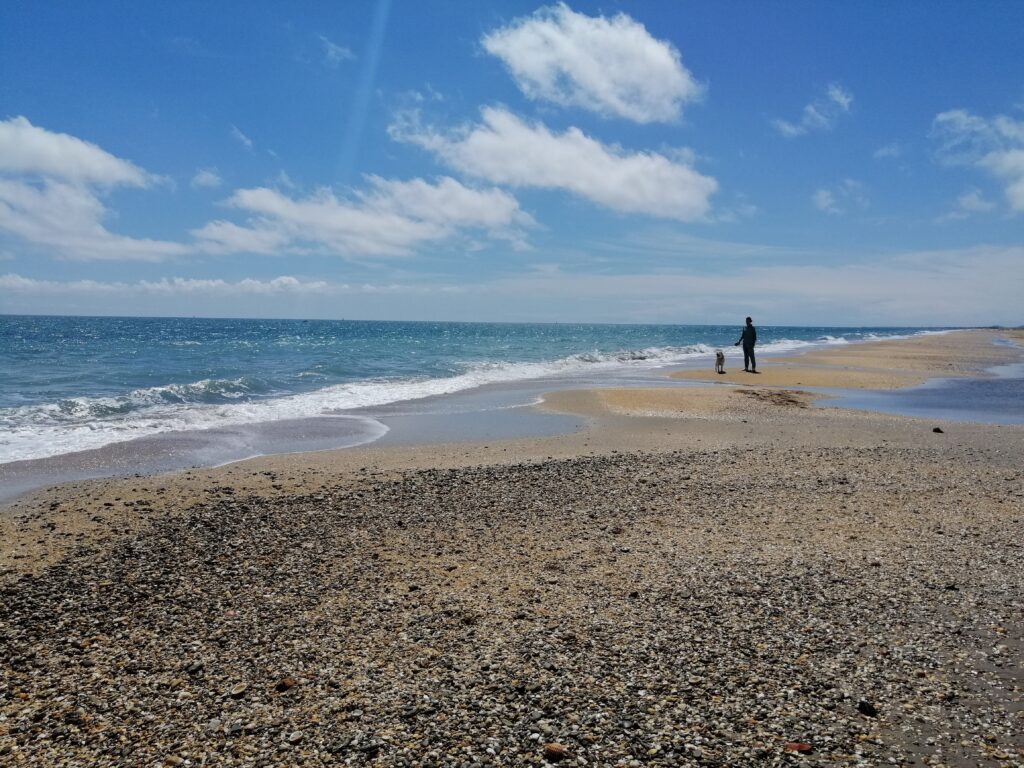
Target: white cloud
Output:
[(28, 149), (1008, 165), (68, 218), (57, 207), (841, 197), (994, 145), (207, 177), (335, 54), (611, 66), (49, 195), (184, 287), (240, 137), (173, 286), (970, 202), (974, 286), (891, 150), (825, 200), (820, 115), (506, 150), (390, 218)]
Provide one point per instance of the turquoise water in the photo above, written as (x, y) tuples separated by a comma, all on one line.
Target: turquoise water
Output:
[(76, 383)]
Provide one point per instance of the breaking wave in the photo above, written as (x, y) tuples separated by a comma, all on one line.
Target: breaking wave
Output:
[(81, 423)]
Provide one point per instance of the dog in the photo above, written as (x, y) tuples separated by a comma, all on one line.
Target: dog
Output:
[(719, 361)]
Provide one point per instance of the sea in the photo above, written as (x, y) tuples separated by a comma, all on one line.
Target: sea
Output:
[(159, 393)]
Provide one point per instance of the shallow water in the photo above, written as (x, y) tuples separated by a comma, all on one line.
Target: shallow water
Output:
[(996, 400), (69, 384)]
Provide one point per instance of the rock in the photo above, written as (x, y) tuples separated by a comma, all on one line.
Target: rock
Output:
[(554, 751), (937, 429), (285, 684), (295, 737), (238, 690), (798, 746), (867, 708)]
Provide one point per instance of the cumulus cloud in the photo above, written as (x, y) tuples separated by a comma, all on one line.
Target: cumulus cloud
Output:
[(994, 145), (50, 187), (389, 218), (969, 203), (68, 218), (819, 115), (50, 197), (30, 150), (504, 149), (611, 66), (839, 198), (207, 177)]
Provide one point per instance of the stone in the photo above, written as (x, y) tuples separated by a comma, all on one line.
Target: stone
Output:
[(554, 751), (867, 708), (285, 684), (798, 746), (238, 690)]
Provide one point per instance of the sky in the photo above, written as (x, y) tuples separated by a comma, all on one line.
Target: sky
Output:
[(807, 163)]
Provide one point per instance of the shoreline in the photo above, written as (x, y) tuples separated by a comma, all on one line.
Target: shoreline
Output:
[(823, 367), (608, 419), (704, 575)]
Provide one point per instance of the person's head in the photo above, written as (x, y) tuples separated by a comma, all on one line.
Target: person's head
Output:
[(750, 321)]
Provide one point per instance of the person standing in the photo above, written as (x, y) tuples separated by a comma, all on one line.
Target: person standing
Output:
[(748, 338)]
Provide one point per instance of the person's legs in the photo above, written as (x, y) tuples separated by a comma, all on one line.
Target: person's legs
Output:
[(749, 363), (753, 361)]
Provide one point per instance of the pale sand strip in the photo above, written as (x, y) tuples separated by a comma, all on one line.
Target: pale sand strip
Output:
[(876, 364)]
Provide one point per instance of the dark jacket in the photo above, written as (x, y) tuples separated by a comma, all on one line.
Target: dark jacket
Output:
[(749, 337)]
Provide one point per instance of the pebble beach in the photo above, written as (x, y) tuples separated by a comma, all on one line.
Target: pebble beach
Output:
[(714, 575)]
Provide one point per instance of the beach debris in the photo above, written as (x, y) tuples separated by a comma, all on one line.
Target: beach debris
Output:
[(237, 691), (938, 430), (295, 737)]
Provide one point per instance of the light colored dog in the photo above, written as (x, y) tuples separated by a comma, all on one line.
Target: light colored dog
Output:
[(719, 361)]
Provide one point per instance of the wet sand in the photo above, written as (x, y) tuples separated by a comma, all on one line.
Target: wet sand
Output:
[(705, 576), (874, 365)]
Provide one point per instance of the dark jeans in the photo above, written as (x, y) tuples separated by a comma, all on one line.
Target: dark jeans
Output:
[(749, 363)]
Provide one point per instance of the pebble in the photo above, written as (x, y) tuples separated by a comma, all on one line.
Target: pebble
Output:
[(853, 599)]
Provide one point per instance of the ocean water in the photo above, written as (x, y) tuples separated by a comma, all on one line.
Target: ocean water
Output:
[(70, 384)]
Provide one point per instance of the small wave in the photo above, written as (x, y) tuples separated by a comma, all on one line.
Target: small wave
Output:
[(75, 424)]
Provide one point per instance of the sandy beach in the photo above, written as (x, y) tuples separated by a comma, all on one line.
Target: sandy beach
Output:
[(706, 575)]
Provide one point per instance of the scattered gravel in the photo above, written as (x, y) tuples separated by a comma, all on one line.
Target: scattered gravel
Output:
[(738, 607)]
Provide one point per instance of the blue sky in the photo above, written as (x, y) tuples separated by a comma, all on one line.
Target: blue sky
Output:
[(807, 163)]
